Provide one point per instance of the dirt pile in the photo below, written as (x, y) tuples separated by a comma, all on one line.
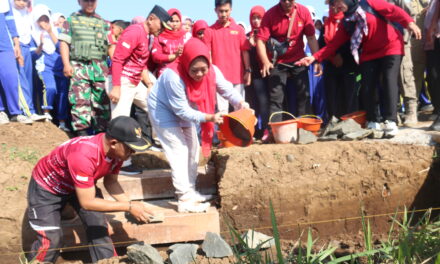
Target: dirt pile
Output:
[(323, 181), (21, 146)]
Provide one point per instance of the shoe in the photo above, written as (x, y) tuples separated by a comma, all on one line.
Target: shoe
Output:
[(436, 125), (390, 129), (36, 117), (130, 170), (410, 119), (427, 108), (198, 197), (192, 207), (63, 127), (374, 126), (4, 119), (22, 119), (47, 116)]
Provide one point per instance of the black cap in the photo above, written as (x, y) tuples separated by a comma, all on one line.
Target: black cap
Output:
[(128, 131), (162, 14)]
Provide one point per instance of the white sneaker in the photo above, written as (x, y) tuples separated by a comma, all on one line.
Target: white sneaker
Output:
[(198, 197), (4, 119), (63, 127), (374, 126), (47, 116), (390, 129), (22, 119), (192, 207), (36, 117)]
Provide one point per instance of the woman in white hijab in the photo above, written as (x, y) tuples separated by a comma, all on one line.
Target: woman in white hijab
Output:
[(49, 65)]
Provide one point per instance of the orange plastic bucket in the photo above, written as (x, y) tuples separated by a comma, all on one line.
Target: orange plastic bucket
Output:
[(239, 127), (310, 123), (223, 141), (285, 131), (360, 117)]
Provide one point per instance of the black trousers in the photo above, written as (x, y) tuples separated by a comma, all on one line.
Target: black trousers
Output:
[(257, 96), (433, 75), (388, 68), (44, 213), (144, 122), (341, 90), (278, 89)]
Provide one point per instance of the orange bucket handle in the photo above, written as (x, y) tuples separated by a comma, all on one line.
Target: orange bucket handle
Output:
[(312, 116), (280, 112)]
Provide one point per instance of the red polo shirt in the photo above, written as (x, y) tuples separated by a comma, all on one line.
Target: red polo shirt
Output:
[(79, 162), (275, 24), (382, 39), (131, 54), (226, 44)]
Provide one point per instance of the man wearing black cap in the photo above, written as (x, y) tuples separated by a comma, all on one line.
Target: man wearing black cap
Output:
[(68, 175), (129, 68)]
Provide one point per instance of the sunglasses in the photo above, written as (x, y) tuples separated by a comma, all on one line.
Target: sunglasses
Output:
[(290, 1)]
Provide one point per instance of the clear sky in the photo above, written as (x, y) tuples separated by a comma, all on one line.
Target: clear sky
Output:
[(196, 9)]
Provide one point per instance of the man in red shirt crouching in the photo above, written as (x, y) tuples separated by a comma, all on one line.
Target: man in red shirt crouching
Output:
[(69, 174)]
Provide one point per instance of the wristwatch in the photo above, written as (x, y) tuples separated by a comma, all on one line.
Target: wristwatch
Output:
[(249, 70)]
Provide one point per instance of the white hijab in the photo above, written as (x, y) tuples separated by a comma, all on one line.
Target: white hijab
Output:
[(4, 6), (23, 22), (37, 12)]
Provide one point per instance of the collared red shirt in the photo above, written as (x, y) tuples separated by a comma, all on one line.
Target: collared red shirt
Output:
[(226, 45), (275, 24), (79, 162), (131, 54)]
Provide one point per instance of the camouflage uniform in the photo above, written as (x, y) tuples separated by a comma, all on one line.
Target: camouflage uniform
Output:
[(87, 37)]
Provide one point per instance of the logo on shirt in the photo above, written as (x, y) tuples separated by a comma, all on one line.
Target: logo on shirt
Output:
[(126, 45), (138, 132), (300, 24)]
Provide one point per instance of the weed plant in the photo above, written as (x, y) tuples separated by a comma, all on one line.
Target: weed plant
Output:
[(409, 242)]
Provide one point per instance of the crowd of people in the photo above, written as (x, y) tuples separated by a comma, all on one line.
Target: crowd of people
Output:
[(178, 77)]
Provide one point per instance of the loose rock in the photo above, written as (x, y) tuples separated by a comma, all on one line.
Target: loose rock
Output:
[(290, 158), (183, 253), (306, 137), (345, 127), (377, 134), (143, 254), (361, 134), (254, 239), (215, 247), (331, 124), (330, 137)]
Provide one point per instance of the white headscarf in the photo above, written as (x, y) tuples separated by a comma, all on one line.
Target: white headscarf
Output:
[(4, 6), (37, 12), (23, 22)]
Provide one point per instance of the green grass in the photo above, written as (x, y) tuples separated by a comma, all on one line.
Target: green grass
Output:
[(23, 154), (409, 242)]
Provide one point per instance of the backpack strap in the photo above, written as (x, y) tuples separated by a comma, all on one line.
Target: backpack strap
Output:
[(367, 8)]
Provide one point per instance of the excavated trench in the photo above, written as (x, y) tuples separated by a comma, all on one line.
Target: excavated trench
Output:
[(324, 186)]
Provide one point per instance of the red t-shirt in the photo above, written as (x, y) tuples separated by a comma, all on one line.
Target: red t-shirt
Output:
[(162, 48), (131, 55), (226, 45), (79, 162), (382, 39), (275, 24)]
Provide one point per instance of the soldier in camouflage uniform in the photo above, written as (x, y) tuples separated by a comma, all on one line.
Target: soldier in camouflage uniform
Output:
[(84, 49)]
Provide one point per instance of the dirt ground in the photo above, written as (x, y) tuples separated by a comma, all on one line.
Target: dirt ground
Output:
[(21, 147), (321, 184), (307, 184)]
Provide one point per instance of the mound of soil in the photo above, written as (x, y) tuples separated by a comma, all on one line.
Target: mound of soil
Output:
[(323, 181), (21, 147)]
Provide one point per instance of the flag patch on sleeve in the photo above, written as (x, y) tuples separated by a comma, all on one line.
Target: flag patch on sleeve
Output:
[(82, 178), (126, 45)]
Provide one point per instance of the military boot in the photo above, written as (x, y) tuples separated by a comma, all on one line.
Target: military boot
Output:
[(411, 114)]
